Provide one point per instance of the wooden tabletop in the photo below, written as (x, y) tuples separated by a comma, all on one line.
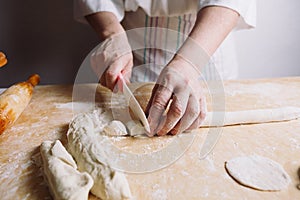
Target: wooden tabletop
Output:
[(49, 112)]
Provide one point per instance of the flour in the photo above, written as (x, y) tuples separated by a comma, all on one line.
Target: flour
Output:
[(76, 106)]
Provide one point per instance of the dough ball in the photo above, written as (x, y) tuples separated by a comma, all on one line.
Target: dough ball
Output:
[(258, 172), (115, 128), (135, 128)]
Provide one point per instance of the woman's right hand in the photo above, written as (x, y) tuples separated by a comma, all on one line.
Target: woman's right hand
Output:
[(113, 56)]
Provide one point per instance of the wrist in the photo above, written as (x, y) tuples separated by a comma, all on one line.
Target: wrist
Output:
[(110, 31), (185, 67)]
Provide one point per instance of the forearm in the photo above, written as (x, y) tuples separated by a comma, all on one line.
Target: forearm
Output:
[(105, 24), (212, 26)]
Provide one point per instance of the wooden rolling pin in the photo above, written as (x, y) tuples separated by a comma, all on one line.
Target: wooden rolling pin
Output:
[(14, 100)]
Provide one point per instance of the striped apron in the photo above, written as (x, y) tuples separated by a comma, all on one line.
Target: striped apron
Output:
[(157, 49)]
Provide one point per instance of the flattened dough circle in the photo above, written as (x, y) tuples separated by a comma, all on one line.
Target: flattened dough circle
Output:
[(258, 172)]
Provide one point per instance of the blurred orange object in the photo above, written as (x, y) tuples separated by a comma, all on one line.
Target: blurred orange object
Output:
[(14, 100), (3, 59)]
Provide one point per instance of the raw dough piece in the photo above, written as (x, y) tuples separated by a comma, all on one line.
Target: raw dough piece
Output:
[(64, 180), (252, 116), (86, 147), (258, 172), (115, 128), (135, 128)]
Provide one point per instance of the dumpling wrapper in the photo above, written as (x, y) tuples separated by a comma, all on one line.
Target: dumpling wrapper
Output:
[(258, 172)]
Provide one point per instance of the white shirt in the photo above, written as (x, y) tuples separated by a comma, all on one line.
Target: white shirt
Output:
[(181, 15), (245, 8)]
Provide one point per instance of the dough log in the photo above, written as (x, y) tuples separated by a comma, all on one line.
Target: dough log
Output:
[(258, 116), (85, 144), (61, 173)]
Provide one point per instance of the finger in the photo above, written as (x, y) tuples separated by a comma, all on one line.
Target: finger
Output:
[(190, 115), (111, 74), (151, 99), (159, 102), (127, 71), (177, 109), (201, 116)]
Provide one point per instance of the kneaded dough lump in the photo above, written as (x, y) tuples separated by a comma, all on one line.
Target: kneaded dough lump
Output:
[(61, 174), (85, 144)]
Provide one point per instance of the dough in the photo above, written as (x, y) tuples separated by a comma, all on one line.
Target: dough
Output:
[(64, 180), (258, 172), (115, 128), (135, 128), (251, 116), (85, 144)]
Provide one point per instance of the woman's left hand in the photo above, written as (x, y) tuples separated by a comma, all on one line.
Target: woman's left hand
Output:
[(179, 85)]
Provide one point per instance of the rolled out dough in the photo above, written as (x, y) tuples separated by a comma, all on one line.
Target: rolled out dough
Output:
[(85, 144), (61, 173), (258, 172), (257, 116)]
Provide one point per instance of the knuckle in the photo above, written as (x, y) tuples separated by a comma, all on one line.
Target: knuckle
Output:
[(194, 112), (166, 79), (158, 103), (177, 110), (110, 73)]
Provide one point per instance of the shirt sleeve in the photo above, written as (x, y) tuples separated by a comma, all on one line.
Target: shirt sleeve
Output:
[(86, 7), (245, 8)]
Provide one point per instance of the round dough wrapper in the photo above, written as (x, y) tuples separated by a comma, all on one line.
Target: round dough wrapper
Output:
[(258, 172)]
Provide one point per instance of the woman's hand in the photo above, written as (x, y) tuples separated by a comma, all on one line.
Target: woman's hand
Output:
[(179, 86), (113, 56)]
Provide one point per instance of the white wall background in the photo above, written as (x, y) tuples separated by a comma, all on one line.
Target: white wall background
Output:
[(42, 37), (272, 49)]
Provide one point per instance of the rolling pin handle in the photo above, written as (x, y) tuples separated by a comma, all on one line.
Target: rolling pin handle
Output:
[(34, 79)]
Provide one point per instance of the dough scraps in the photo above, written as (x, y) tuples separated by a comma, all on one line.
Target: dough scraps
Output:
[(85, 143), (115, 128), (258, 172), (61, 173)]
